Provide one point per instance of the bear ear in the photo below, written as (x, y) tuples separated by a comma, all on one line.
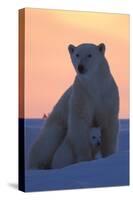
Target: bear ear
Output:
[(71, 48), (101, 48)]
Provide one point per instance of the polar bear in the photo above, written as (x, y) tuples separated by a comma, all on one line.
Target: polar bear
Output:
[(92, 101)]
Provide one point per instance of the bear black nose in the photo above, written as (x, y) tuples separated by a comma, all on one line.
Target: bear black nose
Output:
[(81, 68)]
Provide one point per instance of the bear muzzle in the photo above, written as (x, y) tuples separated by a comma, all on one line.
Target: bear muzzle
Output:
[(81, 68)]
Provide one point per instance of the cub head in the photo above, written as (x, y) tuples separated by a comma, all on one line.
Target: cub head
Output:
[(95, 140), (86, 58), (95, 137)]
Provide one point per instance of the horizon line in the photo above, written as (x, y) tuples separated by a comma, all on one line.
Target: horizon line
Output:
[(47, 117)]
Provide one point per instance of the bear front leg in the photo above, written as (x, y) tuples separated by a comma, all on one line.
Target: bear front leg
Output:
[(109, 138), (79, 120), (78, 138)]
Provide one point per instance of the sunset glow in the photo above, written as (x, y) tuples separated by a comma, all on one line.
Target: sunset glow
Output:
[(48, 69)]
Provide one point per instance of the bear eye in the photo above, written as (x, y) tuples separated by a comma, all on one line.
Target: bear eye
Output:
[(89, 56), (94, 137), (77, 55)]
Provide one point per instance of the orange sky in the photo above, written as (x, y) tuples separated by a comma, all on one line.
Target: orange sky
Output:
[(49, 72)]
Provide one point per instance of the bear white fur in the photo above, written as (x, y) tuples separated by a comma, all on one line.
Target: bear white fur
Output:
[(92, 101)]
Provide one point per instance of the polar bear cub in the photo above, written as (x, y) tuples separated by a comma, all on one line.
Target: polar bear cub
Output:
[(65, 154), (92, 101), (95, 138)]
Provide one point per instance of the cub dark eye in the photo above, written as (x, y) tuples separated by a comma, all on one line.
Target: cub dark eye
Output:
[(89, 55), (94, 137), (77, 55)]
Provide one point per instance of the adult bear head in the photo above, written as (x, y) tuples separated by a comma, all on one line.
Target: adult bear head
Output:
[(88, 59)]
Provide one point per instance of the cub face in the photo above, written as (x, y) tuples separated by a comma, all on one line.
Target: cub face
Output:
[(95, 140), (95, 137), (86, 58)]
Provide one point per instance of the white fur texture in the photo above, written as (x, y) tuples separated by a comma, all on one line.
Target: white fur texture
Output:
[(92, 101)]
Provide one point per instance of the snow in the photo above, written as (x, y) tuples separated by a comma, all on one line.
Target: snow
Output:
[(110, 171)]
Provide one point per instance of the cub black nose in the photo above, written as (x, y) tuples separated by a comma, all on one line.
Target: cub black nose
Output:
[(81, 68), (98, 143)]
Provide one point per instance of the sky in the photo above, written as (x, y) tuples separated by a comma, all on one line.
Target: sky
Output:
[(48, 68)]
